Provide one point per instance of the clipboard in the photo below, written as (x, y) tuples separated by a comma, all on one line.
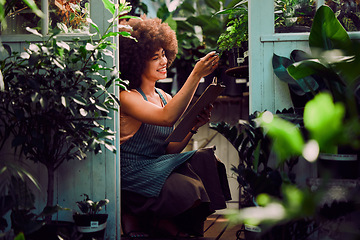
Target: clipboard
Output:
[(188, 120)]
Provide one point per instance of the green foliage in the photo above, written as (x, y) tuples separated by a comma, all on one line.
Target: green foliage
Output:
[(333, 65), (57, 97), (301, 87), (286, 134), (294, 12), (87, 206), (253, 146), (330, 120), (7, 5), (324, 119), (236, 28)]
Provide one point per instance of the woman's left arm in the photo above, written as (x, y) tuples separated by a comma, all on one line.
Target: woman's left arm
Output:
[(203, 118)]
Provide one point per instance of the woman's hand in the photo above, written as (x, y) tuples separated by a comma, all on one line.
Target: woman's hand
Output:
[(203, 117), (206, 65)]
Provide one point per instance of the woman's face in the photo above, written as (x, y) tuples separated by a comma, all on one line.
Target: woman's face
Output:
[(156, 67)]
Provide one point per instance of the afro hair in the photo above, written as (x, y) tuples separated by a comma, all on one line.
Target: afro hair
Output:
[(150, 35)]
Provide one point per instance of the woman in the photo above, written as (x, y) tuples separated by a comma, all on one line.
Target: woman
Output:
[(163, 191)]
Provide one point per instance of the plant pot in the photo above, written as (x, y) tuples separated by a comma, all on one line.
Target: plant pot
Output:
[(252, 232), (237, 57), (338, 166), (91, 226)]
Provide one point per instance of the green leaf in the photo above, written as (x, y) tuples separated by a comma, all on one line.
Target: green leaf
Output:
[(33, 31), (101, 107), (20, 236), (172, 23), (79, 100), (109, 6), (327, 32), (2, 83), (288, 140), (297, 85), (324, 120), (32, 5), (214, 4), (63, 44), (186, 6)]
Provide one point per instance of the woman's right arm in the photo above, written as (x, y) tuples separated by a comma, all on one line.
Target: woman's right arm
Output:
[(133, 104)]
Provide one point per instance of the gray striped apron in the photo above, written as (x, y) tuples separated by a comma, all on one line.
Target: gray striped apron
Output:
[(144, 163)]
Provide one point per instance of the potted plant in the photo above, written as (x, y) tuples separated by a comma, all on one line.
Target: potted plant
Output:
[(90, 223), (294, 15), (233, 47), (333, 67), (56, 100), (256, 177), (234, 40)]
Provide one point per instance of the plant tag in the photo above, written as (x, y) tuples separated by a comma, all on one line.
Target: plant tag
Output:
[(94, 224), (252, 228), (240, 60)]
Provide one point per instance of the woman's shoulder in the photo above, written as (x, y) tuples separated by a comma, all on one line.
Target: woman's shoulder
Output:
[(167, 96), (131, 94)]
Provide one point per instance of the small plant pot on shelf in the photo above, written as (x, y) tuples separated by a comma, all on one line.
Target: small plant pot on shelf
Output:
[(91, 226), (338, 166), (249, 232)]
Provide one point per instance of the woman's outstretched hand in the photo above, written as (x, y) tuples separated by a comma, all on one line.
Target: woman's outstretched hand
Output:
[(207, 64)]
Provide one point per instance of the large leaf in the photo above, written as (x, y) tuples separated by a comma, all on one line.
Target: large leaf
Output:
[(109, 6), (34, 7), (324, 120), (313, 66), (327, 32), (213, 4), (299, 86), (288, 140)]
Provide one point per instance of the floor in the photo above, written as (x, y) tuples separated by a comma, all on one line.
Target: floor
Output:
[(216, 228)]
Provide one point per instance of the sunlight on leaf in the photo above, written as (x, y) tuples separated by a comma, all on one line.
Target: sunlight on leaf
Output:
[(2, 84), (288, 140), (324, 119), (109, 6), (311, 151), (33, 31)]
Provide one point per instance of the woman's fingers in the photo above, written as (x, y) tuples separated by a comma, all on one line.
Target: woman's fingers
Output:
[(205, 115)]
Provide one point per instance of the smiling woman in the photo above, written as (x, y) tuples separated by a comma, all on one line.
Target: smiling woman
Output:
[(164, 190)]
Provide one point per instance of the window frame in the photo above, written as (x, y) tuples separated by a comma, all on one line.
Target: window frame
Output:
[(98, 14)]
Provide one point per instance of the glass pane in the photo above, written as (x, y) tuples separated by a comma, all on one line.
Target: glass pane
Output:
[(18, 17), (348, 13), (69, 15), (294, 15)]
